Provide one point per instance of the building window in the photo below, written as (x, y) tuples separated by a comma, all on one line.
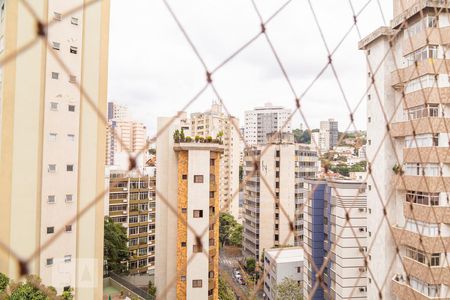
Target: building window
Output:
[(197, 248), (212, 162), (212, 242), (55, 75), (57, 16), (52, 136), (54, 106), (56, 45), (197, 283), (72, 78), (68, 228), (183, 244), (71, 137), (49, 261), (67, 258), (51, 199), (69, 168), (50, 230), (211, 274), (299, 269), (198, 178), (73, 50), (183, 278), (71, 108), (69, 198), (184, 177), (211, 195), (74, 21), (51, 168), (198, 213)]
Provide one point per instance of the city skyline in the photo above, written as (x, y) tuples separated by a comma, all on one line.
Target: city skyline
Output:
[(168, 71)]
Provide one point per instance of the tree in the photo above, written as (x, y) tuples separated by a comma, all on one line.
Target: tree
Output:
[(67, 295), (115, 249), (250, 265), (4, 281), (235, 238), (151, 289), (288, 289), (225, 292), (302, 136), (176, 136), (31, 289), (226, 224), (241, 173)]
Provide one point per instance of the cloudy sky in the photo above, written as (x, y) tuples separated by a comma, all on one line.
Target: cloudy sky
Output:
[(153, 70)]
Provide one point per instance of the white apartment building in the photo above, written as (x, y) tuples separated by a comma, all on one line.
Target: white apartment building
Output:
[(52, 143), (279, 264), (211, 123), (265, 120), (187, 224), (123, 135), (412, 192), (117, 111), (273, 196), (335, 214), (328, 134)]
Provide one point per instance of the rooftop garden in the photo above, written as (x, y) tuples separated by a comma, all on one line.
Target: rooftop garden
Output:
[(180, 137)]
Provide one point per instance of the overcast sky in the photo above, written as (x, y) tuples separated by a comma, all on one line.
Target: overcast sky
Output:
[(153, 70)]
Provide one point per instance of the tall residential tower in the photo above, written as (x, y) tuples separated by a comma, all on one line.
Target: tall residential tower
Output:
[(52, 144), (187, 224), (410, 168)]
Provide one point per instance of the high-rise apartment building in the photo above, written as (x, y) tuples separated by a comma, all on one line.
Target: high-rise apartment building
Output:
[(132, 203), (117, 111), (211, 123), (123, 135), (187, 225), (408, 184), (265, 120), (273, 196), (52, 142), (328, 134), (335, 220)]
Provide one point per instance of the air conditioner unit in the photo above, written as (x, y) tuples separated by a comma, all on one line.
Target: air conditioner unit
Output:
[(362, 210), (362, 289), (362, 229)]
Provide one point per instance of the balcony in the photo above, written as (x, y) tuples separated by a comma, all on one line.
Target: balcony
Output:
[(428, 66), (431, 275), (431, 244), (425, 213), (432, 184), (420, 126), (426, 155), (429, 36), (402, 290), (432, 95)]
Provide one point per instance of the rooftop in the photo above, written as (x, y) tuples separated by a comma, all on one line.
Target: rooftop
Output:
[(286, 255)]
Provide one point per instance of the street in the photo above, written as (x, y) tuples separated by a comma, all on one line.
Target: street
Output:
[(228, 260)]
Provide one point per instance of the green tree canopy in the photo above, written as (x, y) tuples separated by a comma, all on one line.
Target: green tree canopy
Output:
[(288, 289), (230, 231), (302, 136), (151, 289), (4, 281), (115, 249), (225, 292), (250, 265)]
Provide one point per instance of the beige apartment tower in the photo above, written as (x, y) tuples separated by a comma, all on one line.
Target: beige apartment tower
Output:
[(187, 224), (274, 195), (211, 123), (132, 204), (52, 143), (409, 184)]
